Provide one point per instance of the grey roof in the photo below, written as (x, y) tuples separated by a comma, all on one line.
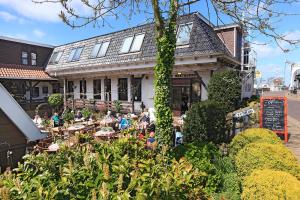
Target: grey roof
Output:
[(18, 116), (25, 42), (203, 41)]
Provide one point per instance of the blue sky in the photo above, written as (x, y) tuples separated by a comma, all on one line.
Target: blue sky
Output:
[(40, 23)]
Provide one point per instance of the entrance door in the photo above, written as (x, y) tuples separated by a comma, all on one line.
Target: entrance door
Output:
[(181, 98)]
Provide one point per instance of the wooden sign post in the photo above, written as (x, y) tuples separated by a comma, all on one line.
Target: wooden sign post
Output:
[(273, 115)]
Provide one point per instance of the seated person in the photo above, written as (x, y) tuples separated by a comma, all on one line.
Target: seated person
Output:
[(56, 119), (151, 142), (37, 120), (78, 115), (124, 123), (178, 137)]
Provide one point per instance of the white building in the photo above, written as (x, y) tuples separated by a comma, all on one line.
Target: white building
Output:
[(119, 65)]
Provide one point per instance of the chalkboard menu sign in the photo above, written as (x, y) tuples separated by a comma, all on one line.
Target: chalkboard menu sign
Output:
[(273, 114)]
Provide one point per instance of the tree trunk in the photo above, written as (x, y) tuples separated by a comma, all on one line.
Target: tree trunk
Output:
[(165, 59)]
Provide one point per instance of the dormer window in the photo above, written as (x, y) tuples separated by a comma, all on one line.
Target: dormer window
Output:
[(183, 34), (100, 49), (132, 44), (75, 54), (55, 57)]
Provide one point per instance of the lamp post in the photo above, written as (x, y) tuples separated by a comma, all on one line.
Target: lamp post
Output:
[(285, 52)]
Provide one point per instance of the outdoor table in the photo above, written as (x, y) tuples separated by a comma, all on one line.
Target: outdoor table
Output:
[(105, 134), (77, 127)]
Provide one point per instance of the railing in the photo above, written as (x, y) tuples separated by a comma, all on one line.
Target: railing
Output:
[(97, 105)]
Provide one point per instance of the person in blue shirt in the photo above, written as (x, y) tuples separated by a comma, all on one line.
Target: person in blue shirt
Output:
[(55, 119), (124, 123), (151, 142)]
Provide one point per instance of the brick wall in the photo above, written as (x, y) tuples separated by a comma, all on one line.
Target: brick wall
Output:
[(227, 36)]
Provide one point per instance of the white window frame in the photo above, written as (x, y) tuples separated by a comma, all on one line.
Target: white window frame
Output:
[(74, 52), (56, 56), (99, 49), (130, 50), (178, 31)]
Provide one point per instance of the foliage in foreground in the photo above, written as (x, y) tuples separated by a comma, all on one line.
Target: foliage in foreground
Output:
[(262, 155), (205, 122), (251, 135), (225, 87), (271, 185), (220, 178), (119, 170)]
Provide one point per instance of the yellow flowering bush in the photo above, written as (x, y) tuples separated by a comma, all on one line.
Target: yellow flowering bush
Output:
[(269, 184), (250, 135), (262, 155)]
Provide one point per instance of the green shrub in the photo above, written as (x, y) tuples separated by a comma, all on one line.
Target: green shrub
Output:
[(231, 187), (262, 155), (55, 100), (252, 135), (271, 185), (203, 156), (119, 170), (205, 121), (86, 113), (225, 87), (118, 106), (68, 116)]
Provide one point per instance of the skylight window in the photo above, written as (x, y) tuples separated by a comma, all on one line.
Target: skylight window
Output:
[(75, 54), (183, 34), (100, 49), (55, 57), (132, 44), (126, 45)]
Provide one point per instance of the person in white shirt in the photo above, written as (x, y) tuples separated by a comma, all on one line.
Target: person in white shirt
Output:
[(37, 120)]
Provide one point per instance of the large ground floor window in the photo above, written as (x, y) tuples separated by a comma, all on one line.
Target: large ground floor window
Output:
[(97, 88), (82, 89), (137, 89), (107, 89), (70, 89), (122, 89)]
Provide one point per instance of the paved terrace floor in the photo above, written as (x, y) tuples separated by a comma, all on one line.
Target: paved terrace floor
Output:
[(293, 121)]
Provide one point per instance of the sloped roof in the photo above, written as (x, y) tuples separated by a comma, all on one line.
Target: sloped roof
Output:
[(13, 71), (203, 41), (18, 116)]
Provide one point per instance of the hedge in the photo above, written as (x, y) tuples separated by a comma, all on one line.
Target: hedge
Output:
[(252, 135), (225, 87), (271, 185), (262, 155), (205, 122)]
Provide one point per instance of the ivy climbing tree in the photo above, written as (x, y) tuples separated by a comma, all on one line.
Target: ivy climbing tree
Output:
[(255, 15)]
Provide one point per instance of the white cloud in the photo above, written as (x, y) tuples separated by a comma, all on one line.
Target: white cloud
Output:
[(8, 17), (266, 50), (39, 33), (43, 11)]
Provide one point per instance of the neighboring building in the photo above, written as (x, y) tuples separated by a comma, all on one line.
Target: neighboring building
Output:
[(248, 60), (22, 70), (295, 77), (17, 130), (119, 65)]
